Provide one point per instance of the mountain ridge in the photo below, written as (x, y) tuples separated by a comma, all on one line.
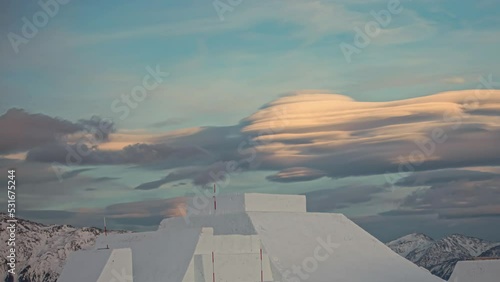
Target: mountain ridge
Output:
[(42, 249), (440, 256)]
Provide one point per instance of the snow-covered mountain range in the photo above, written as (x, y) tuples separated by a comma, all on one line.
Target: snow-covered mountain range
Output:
[(440, 256), (42, 249)]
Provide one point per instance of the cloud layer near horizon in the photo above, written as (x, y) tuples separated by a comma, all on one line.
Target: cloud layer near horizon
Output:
[(302, 136)]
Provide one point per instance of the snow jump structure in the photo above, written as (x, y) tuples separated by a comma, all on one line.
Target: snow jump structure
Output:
[(248, 237), (476, 270)]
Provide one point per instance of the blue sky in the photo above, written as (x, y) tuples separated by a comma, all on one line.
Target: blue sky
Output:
[(222, 71)]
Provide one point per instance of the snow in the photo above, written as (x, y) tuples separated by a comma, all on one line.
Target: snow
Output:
[(275, 203), (416, 243), (296, 245), (236, 258), (471, 245), (42, 250), (478, 270), (163, 255), (102, 265), (292, 239), (118, 267), (93, 262), (234, 203)]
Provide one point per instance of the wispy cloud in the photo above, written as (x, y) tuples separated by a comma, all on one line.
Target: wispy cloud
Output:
[(452, 194), (454, 80), (312, 19), (169, 122)]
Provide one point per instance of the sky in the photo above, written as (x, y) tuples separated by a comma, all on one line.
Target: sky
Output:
[(386, 111)]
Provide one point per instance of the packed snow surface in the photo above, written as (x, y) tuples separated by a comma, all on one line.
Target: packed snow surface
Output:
[(296, 246), (476, 271)]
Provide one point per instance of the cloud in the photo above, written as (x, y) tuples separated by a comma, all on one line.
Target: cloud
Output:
[(296, 174), (309, 135), (169, 122), (200, 175), (302, 137), (138, 215), (311, 20), (387, 228), (140, 209), (81, 154), (23, 131), (100, 128), (151, 185), (343, 137), (180, 148), (454, 80), (444, 176), (406, 28), (456, 193), (36, 175), (342, 197)]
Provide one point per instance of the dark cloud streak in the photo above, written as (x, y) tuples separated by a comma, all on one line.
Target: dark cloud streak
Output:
[(22, 131)]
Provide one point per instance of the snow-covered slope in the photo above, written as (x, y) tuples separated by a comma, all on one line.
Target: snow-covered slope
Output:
[(492, 253), (355, 254), (412, 245), (441, 256), (41, 249)]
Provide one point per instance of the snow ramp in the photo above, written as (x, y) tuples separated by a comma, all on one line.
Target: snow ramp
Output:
[(476, 271), (325, 247), (158, 256), (249, 238)]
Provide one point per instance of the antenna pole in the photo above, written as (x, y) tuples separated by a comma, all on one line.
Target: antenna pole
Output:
[(215, 198), (213, 267), (261, 269), (105, 232)]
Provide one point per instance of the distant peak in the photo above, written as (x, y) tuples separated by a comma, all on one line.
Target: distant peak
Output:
[(417, 236), (460, 236)]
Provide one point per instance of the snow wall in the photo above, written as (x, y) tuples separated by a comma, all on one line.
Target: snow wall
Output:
[(223, 242)]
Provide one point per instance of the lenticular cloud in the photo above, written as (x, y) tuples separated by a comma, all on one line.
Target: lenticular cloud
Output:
[(339, 136)]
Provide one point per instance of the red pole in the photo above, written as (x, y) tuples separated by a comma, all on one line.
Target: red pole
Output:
[(105, 232), (261, 270), (213, 267), (215, 199)]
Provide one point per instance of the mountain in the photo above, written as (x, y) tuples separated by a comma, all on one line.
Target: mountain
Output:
[(440, 256), (411, 246), (492, 253), (42, 249)]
